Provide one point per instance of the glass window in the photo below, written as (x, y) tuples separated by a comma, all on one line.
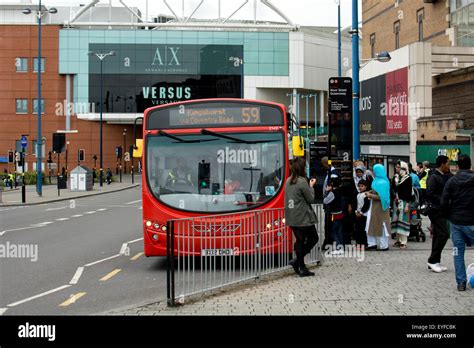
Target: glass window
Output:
[(21, 64), (372, 45), (396, 31), (22, 106), (206, 173), (35, 106), (420, 16), (35, 64)]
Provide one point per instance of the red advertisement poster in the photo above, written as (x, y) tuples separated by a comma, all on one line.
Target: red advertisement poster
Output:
[(397, 101)]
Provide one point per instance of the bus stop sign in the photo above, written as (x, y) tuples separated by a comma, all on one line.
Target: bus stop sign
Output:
[(24, 141), (340, 125)]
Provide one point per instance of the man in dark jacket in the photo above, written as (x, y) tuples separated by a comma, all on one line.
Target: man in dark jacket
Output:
[(434, 189), (458, 201)]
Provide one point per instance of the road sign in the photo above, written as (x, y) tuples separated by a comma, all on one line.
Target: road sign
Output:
[(340, 125), (24, 141), (127, 157)]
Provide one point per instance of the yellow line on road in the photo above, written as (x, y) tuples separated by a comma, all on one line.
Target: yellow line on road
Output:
[(136, 256), (110, 275), (72, 299)]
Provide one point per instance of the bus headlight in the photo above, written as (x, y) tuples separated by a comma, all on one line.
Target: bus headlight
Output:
[(269, 226), (163, 228), (283, 221), (156, 226), (148, 223), (155, 236)]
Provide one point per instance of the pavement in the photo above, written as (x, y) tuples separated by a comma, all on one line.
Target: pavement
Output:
[(394, 282), (11, 197)]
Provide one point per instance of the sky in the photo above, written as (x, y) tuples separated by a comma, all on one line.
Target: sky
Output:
[(302, 12)]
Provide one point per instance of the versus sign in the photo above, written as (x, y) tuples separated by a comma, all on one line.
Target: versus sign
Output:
[(384, 104), (145, 75)]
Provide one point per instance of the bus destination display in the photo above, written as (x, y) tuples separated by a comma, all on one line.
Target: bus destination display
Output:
[(215, 114), (218, 116)]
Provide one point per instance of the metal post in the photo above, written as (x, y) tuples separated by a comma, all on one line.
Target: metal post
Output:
[(39, 178), (124, 149), (57, 177), (355, 78), (339, 70), (23, 187), (100, 131)]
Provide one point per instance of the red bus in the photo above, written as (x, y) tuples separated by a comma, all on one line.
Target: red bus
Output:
[(210, 157)]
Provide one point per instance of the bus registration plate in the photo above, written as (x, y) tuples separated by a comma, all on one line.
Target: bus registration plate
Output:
[(217, 252)]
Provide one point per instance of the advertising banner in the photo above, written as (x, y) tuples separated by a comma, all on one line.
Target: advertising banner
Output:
[(384, 104)]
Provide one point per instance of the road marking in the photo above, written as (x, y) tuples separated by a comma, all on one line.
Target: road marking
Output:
[(51, 209), (38, 296), (102, 209), (134, 202), (90, 212), (136, 257), (108, 258), (15, 229), (3, 310), (110, 275), (123, 249), (77, 215), (62, 219), (77, 275), (136, 240), (72, 299)]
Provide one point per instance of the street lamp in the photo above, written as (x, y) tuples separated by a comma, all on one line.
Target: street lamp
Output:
[(39, 143), (101, 57), (339, 51)]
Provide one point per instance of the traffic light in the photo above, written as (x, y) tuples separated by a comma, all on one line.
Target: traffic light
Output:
[(118, 151), (18, 157), (204, 175), (50, 159), (11, 156), (82, 155)]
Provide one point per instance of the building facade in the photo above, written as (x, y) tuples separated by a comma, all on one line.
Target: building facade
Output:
[(407, 107), (154, 64)]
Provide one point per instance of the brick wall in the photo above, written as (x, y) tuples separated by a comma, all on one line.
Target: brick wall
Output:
[(378, 17)]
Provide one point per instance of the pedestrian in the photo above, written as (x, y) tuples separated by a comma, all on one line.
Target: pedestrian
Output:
[(378, 217), (458, 201), (11, 179), (434, 189), (335, 207), (414, 177), (299, 214), (139, 166), (402, 194), (360, 173), (108, 176), (423, 173), (363, 205), (329, 169)]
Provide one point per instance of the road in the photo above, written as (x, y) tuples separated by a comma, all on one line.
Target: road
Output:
[(89, 257)]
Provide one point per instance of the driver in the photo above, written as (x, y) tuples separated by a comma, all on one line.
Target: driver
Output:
[(181, 174)]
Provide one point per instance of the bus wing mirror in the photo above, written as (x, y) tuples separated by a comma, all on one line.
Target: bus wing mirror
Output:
[(298, 146), (138, 150)]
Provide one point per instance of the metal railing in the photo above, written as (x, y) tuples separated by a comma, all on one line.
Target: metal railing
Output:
[(209, 253)]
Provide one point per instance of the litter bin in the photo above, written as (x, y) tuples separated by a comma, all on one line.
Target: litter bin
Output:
[(62, 182)]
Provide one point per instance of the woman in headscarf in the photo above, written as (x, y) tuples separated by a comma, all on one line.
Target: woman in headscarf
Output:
[(378, 219), (403, 195)]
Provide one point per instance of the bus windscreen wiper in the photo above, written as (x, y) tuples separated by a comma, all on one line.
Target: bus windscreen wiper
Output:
[(235, 140), (171, 136)]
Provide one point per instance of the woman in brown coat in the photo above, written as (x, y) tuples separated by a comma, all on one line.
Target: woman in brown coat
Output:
[(378, 219)]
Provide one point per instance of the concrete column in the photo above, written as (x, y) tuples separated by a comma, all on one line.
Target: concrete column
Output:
[(321, 109)]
